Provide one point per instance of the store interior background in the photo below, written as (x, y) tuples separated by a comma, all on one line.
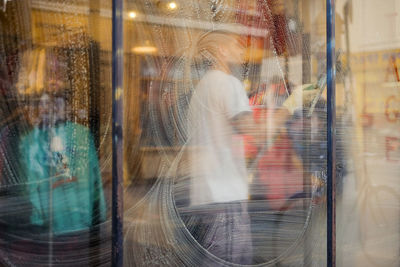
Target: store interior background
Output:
[(286, 42)]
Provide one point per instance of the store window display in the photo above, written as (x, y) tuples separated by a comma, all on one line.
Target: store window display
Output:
[(62, 170), (63, 181)]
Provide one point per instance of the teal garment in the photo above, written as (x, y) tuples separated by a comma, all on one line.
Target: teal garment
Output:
[(63, 177)]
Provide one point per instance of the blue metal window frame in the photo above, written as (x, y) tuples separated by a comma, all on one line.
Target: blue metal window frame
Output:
[(331, 131), (117, 124)]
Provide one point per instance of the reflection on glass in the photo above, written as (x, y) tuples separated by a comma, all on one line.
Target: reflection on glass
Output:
[(368, 215)]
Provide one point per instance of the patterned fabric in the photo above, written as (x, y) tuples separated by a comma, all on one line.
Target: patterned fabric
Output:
[(63, 177)]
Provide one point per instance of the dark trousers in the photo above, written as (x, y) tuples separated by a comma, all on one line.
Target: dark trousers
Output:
[(223, 230)]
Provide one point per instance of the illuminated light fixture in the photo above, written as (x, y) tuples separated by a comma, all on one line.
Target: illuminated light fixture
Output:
[(132, 14), (172, 5), (147, 48)]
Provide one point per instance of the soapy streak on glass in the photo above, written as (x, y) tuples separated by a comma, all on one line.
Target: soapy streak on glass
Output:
[(165, 227), (286, 174)]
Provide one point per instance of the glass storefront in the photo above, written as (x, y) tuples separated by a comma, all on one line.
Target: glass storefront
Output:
[(224, 125)]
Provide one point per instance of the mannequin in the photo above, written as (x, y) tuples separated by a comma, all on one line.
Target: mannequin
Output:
[(63, 175)]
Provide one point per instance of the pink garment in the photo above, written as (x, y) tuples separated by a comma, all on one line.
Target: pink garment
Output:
[(280, 172)]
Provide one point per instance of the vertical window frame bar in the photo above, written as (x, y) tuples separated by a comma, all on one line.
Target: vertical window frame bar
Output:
[(117, 123), (331, 133)]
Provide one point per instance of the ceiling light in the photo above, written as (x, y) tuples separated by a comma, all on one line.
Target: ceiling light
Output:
[(132, 14), (172, 5), (145, 48)]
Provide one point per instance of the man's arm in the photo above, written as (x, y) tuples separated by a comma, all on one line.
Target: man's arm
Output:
[(244, 123)]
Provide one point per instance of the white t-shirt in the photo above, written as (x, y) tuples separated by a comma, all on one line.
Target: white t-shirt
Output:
[(217, 163)]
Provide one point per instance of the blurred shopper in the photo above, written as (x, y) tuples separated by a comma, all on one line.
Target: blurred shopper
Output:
[(219, 186), (219, 113)]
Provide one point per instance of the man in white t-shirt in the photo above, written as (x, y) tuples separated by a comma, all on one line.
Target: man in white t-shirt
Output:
[(218, 109), (217, 167)]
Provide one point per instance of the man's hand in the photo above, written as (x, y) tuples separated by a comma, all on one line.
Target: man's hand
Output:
[(302, 96), (243, 123)]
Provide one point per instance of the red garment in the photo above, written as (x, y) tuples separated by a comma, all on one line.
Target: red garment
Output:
[(259, 115), (280, 172)]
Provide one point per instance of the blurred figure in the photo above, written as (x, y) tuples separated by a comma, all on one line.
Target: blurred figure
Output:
[(219, 187), (218, 117)]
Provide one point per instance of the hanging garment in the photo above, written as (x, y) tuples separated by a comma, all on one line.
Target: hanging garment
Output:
[(280, 172), (63, 177)]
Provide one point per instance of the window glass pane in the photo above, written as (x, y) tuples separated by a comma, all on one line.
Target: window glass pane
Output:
[(225, 133), (368, 92), (55, 132)]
